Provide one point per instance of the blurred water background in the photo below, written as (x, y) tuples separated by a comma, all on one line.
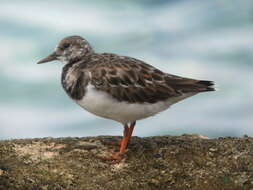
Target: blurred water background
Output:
[(202, 39)]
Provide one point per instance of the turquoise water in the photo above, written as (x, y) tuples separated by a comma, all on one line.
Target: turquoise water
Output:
[(209, 40)]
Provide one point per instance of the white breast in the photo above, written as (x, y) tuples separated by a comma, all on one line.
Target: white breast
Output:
[(102, 104)]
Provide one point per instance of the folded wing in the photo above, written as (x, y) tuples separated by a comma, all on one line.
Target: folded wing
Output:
[(131, 80)]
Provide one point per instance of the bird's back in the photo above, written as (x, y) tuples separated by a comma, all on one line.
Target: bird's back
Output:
[(131, 80)]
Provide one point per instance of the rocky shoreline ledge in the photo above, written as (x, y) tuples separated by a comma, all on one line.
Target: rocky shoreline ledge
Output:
[(189, 162)]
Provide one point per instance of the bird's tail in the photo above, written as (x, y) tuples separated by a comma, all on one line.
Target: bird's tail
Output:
[(206, 85)]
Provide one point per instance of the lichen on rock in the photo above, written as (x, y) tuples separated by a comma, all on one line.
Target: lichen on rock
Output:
[(166, 162)]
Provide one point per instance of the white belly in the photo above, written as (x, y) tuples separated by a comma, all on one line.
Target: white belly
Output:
[(103, 105)]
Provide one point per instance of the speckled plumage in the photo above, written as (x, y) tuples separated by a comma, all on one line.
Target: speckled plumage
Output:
[(114, 78), (126, 79), (117, 87)]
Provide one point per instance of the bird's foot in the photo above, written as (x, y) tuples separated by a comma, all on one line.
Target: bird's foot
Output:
[(114, 157)]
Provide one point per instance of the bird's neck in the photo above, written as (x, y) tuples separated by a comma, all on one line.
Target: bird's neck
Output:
[(76, 59)]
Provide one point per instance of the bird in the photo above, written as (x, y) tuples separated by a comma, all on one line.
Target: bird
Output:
[(119, 88)]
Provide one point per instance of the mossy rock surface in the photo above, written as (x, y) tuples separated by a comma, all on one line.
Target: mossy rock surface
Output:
[(188, 162)]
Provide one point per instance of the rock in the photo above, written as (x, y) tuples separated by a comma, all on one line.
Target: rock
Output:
[(165, 162)]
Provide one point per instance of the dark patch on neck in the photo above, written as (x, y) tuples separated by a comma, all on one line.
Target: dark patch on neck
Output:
[(76, 87), (77, 90)]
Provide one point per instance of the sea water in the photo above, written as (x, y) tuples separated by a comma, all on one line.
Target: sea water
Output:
[(209, 40)]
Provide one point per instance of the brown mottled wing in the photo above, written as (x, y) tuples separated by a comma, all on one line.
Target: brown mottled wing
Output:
[(131, 80)]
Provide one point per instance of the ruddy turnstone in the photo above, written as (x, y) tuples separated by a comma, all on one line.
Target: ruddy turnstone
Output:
[(117, 87)]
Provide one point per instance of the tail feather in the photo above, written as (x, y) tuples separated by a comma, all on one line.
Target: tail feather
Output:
[(206, 85), (188, 85)]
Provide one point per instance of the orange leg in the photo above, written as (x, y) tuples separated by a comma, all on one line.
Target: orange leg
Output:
[(131, 129), (128, 131)]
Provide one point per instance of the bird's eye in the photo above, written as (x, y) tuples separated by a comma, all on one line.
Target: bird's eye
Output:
[(66, 45)]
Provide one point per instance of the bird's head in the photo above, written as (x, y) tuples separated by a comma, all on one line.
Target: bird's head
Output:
[(69, 48)]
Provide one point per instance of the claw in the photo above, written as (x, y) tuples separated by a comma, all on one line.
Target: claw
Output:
[(115, 157)]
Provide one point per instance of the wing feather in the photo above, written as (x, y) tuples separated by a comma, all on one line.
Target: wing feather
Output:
[(131, 80)]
